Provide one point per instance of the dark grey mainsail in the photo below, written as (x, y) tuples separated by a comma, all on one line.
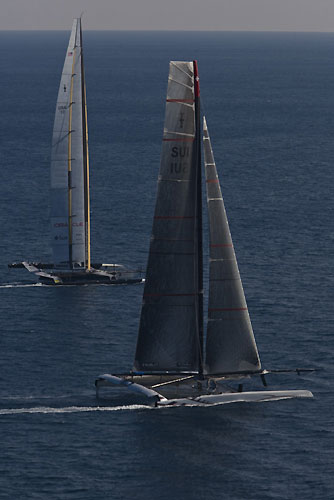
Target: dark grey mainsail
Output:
[(230, 343), (168, 333), (69, 163)]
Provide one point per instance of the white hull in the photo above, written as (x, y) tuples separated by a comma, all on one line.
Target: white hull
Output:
[(239, 397), (191, 399)]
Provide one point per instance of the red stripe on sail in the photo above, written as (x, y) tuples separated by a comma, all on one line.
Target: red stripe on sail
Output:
[(212, 180), (180, 100), (222, 245), (223, 279), (169, 294), (191, 139), (173, 217), (172, 239), (228, 309)]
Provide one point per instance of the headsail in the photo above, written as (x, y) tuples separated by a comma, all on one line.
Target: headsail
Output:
[(168, 334), (69, 163), (230, 343)]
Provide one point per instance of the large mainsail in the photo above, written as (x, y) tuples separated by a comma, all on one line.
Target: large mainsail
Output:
[(69, 163), (230, 343), (169, 337)]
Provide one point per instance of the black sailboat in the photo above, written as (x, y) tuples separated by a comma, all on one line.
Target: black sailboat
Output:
[(171, 365)]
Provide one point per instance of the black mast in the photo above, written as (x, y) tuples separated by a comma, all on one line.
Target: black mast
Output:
[(85, 157), (199, 217)]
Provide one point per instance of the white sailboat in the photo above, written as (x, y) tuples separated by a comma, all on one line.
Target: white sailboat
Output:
[(171, 366), (70, 209)]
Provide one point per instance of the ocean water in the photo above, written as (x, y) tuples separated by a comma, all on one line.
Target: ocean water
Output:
[(269, 102)]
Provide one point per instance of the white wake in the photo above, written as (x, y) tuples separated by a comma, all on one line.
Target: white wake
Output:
[(71, 409), (19, 285)]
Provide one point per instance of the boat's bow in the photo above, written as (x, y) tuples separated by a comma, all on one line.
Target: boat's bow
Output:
[(44, 277), (113, 380)]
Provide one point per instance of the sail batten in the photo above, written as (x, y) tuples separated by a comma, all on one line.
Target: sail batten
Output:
[(230, 343), (183, 85), (189, 137)]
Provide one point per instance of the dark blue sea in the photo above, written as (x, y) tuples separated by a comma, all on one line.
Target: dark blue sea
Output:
[(269, 103)]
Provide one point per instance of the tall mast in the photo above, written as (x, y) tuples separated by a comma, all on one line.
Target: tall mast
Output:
[(197, 159), (85, 158), (69, 166)]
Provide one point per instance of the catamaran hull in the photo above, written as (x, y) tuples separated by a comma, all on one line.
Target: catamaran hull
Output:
[(192, 399), (108, 274), (243, 397), (85, 279)]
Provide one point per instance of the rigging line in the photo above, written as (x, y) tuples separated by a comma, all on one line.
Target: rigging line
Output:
[(172, 381)]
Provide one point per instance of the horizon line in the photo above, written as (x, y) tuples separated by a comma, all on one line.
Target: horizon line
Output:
[(179, 30)]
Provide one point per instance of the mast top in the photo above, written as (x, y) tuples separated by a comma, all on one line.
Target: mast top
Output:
[(196, 79)]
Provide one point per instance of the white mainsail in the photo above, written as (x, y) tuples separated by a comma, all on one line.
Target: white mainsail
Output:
[(69, 163), (230, 343)]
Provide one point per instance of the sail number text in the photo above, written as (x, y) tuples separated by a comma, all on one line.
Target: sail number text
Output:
[(179, 153)]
